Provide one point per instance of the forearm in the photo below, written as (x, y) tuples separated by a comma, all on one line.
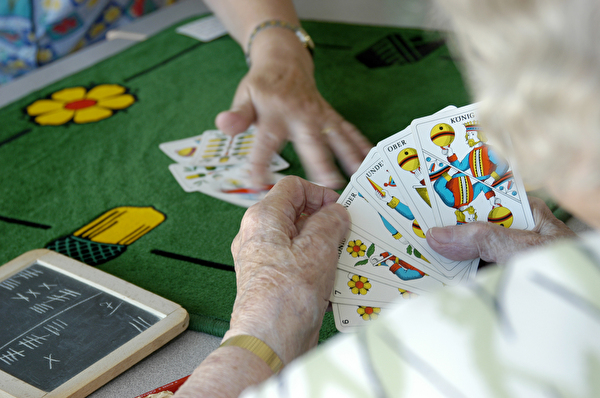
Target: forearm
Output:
[(240, 17), (226, 372)]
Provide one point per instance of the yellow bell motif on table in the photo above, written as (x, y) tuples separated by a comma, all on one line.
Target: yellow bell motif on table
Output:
[(121, 225), (108, 236)]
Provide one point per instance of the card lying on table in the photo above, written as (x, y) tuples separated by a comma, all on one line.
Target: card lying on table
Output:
[(217, 165), (439, 171)]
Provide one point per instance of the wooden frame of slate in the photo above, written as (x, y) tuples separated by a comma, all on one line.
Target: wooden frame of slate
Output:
[(67, 328)]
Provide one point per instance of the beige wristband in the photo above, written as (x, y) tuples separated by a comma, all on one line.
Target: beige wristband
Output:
[(258, 348), (304, 38)]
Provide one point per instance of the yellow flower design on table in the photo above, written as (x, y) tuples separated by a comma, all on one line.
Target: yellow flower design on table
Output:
[(368, 313), (79, 105), (356, 248), (359, 285)]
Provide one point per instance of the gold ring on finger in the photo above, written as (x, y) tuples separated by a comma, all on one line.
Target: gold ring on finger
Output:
[(327, 130)]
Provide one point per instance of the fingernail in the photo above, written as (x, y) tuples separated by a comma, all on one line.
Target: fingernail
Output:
[(442, 235)]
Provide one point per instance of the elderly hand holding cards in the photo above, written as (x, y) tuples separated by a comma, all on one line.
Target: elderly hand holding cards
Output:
[(414, 204), (285, 268)]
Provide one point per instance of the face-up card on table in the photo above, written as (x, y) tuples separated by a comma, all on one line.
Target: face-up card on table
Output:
[(181, 151), (218, 149), (69, 328), (228, 183), (237, 189), (205, 29), (467, 178), (190, 177)]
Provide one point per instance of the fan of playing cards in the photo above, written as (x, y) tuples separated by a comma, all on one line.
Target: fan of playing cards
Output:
[(217, 165), (440, 171)]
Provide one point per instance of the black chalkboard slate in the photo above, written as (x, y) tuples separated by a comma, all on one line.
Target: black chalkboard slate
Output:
[(66, 328)]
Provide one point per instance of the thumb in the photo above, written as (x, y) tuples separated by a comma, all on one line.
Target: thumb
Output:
[(490, 242), (240, 116), (323, 231)]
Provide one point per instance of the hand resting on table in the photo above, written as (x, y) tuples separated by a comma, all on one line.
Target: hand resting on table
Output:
[(280, 97)]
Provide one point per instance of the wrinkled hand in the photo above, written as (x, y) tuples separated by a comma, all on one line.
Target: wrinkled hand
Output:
[(280, 97), (285, 259), (494, 243)]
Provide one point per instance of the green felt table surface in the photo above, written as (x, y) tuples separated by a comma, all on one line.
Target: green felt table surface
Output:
[(54, 180)]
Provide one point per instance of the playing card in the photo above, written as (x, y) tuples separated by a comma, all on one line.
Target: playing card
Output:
[(367, 220), (184, 150), (368, 256), (370, 226), (217, 148), (181, 151), (401, 159), (350, 317), (192, 177), (205, 29), (400, 156), (426, 175), (353, 288), (467, 179), (375, 183), (234, 186)]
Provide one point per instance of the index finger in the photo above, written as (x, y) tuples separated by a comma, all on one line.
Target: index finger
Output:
[(266, 144)]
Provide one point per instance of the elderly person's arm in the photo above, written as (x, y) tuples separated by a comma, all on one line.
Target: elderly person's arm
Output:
[(285, 259), (280, 97)]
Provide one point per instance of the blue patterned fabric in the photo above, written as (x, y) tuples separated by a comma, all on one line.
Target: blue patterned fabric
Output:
[(36, 32)]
